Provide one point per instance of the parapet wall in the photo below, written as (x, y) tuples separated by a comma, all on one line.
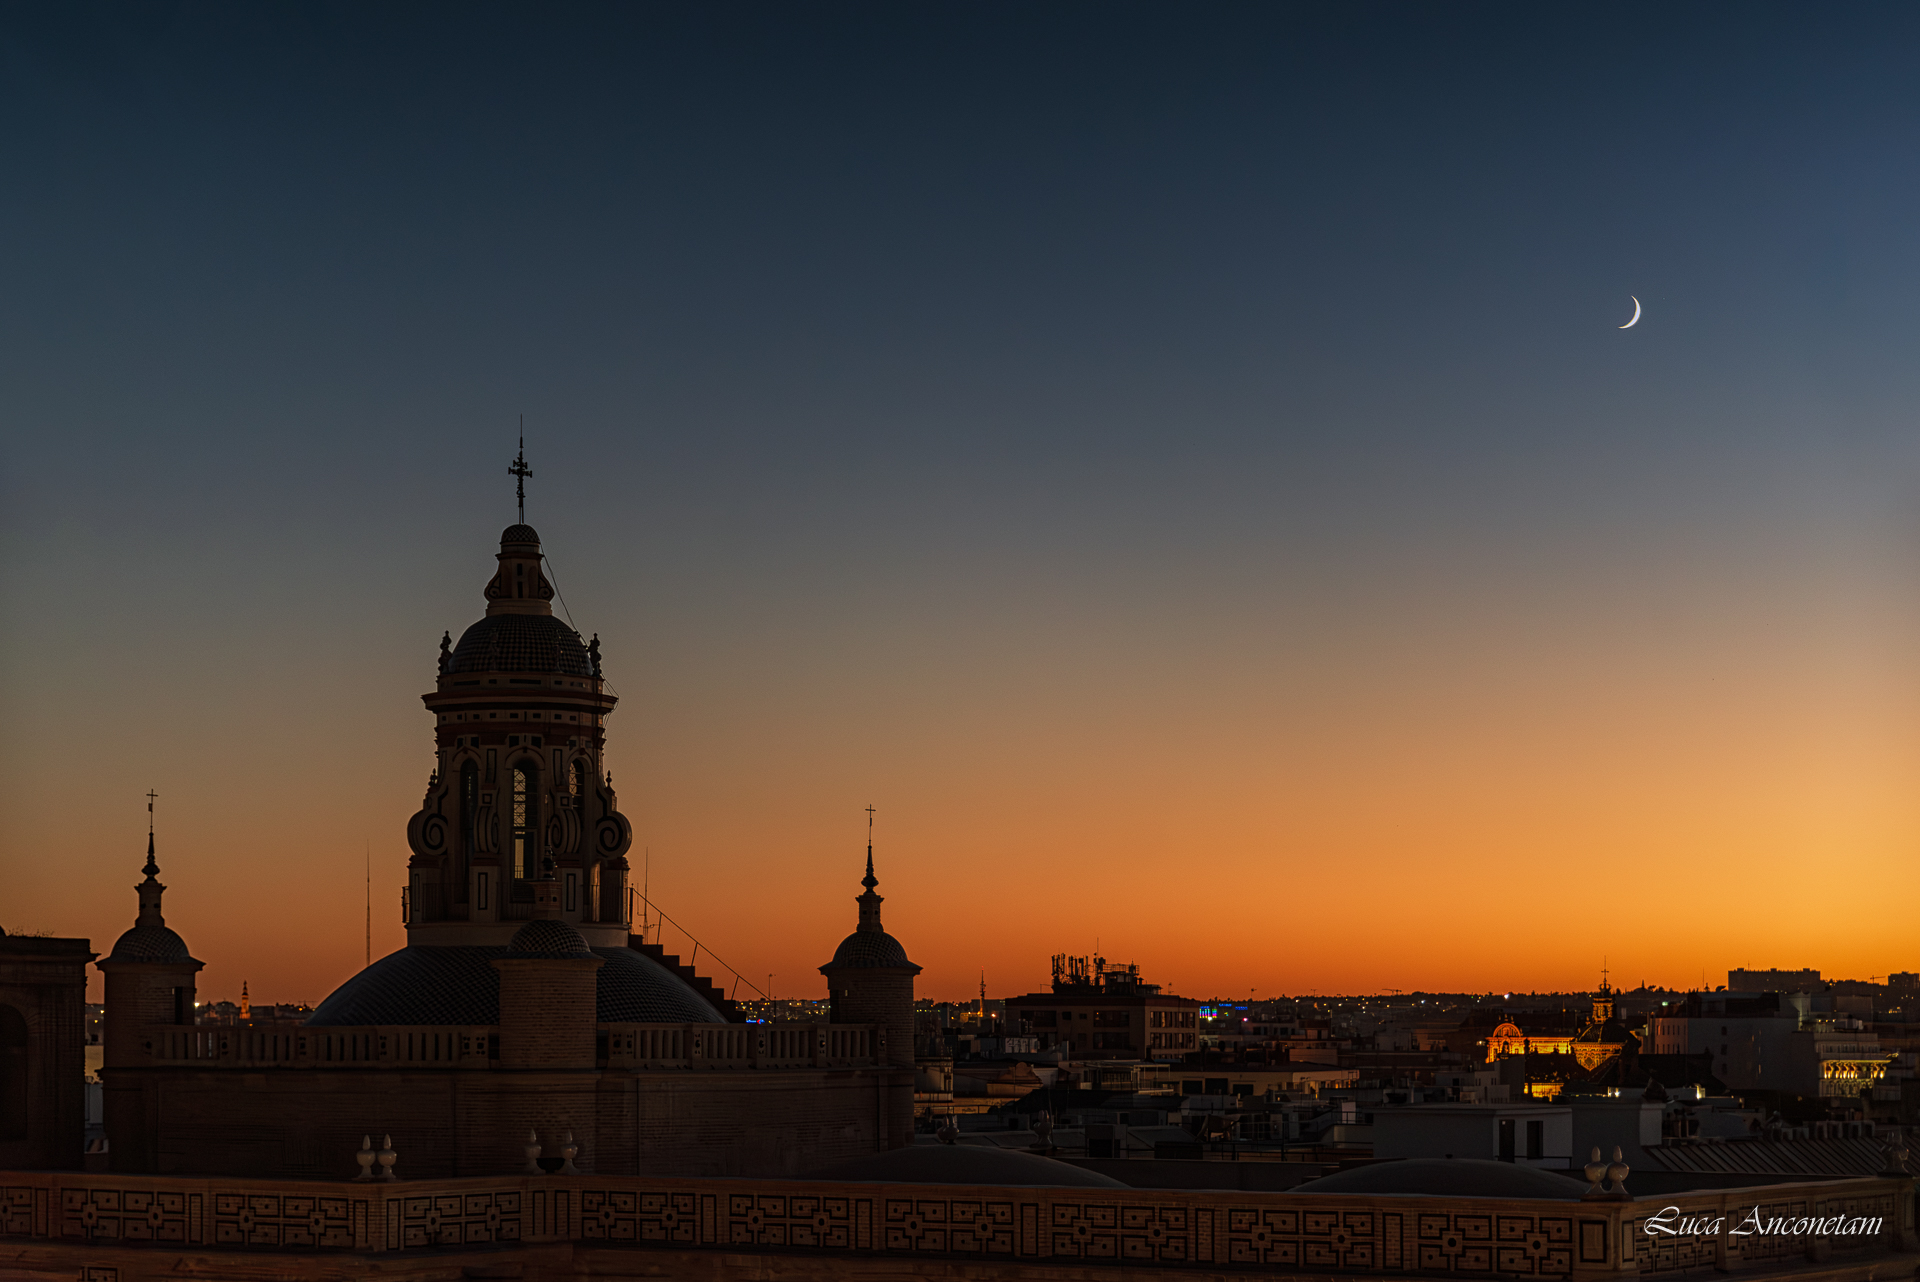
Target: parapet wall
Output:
[(292, 1102), (597, 1226)]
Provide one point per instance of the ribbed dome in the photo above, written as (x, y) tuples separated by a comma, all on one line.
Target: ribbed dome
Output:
[(456, 984), (519, 534), (547, 939), (870, 948), (150, 943), (521, 643)]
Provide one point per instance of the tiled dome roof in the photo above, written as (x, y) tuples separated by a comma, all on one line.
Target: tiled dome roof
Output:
[(150, 943), (519, 534), (456, 984), (547, 939), (870, 948), (521, 643)]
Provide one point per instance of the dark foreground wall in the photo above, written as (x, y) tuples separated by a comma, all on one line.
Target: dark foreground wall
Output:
[(43, 1034), (308, 1123), (128, 1228)]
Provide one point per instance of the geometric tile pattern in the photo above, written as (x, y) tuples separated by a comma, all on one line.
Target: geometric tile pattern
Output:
[(459, 1219), (1350, 1241)]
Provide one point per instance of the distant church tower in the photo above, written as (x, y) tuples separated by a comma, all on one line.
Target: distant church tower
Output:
[(870, 981), (520, 716), (1603, 1003)]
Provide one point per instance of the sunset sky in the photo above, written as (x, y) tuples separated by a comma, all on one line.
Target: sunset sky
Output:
[(1181, 465)]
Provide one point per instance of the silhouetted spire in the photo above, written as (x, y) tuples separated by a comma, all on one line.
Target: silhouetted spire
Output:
[(150, 890), (869, 902), (152, 868)]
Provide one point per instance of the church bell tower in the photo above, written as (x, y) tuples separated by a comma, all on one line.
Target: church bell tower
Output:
[(520, 713)]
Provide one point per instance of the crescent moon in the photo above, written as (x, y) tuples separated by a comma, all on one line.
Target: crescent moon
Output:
[(1636, 314)]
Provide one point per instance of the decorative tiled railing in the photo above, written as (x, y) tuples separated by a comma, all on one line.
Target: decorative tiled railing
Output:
[(758, 1046), (300, 1046), (621, 1046), (1325, 1233)]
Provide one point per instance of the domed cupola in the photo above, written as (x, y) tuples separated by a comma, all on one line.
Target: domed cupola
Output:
[(150, 981), (870, 980), (151, 940), (520, 711), (870, 945), (519, 632)]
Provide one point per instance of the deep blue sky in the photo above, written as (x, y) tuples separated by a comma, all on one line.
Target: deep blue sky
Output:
[(893, 373)]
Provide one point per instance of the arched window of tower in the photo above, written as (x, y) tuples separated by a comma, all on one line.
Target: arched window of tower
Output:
[(526, 819)]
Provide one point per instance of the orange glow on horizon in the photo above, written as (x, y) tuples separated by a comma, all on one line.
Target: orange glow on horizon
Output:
[(1244, 805)]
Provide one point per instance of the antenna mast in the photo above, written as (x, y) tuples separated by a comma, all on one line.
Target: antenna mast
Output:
[(369, 901)]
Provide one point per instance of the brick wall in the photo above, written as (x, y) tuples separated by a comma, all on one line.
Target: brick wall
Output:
[(547, 1012), (43, 1118), (446, 1123)]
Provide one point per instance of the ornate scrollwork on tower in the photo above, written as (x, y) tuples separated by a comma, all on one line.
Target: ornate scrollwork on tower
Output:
[(427, 830), (505, 586)]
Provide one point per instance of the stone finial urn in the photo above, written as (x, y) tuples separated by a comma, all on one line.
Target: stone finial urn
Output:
[(1595, 1170), (1617, 1172), (387, 1157)]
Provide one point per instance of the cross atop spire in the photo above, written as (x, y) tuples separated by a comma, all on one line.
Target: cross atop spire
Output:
[(869, 881), (519, 470), (152, 869)]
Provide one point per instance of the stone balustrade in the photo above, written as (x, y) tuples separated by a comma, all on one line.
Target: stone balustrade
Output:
[(1092, 1230), (254, 1047), (621, 1046), (740, 1046)]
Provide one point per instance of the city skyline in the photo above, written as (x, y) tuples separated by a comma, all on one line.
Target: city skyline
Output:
[(1189, 475)]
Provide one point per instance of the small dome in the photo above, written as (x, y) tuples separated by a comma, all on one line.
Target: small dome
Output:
[(519, 534), (1448, 1177), (870, 948), (521, 643), (1613, 1032), (966, 1164), (150, 943), (547, 939)]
